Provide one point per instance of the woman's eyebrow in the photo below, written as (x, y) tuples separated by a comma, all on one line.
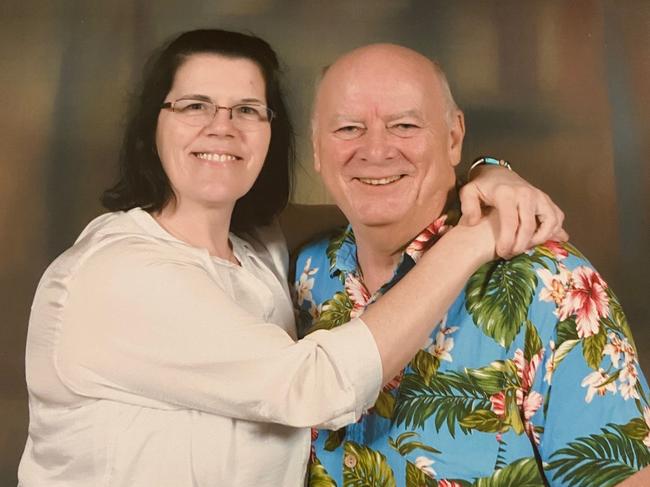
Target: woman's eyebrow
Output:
[(196, 97)]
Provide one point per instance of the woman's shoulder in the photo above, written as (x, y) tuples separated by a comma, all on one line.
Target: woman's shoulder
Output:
[(118, 242), (267, 243)]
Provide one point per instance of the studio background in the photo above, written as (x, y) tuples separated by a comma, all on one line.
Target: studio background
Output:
[(560, 88)]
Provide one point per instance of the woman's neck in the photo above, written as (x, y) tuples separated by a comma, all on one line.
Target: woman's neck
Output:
[(198, 226)]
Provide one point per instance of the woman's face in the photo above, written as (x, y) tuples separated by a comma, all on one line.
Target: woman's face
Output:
[(213, 165)]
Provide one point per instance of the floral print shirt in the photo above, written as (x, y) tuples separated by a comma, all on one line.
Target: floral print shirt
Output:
[(531, 378)]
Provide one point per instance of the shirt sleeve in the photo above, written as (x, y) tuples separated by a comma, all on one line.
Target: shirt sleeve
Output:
[(593, 415), (143, 326)]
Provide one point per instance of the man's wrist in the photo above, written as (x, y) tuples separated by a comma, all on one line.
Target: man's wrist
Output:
[(488, 161)]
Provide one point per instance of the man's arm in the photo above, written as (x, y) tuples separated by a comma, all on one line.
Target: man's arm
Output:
[(592, 403)]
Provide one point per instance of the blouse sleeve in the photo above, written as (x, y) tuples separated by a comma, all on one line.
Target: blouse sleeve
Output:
[(144, 326)]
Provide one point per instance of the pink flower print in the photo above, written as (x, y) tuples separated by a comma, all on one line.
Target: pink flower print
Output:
[(498, 401), (527, 401), (449, 483), (358, 294), (424, 240), (312, 448), (557, 249), (597, 384), (527, 370), (588, 300), (531, 403), (394, 382)]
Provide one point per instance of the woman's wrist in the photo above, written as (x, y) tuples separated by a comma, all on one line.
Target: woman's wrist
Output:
[(472, 244)]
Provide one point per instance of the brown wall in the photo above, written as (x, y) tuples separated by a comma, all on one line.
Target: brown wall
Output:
[(560, 88)]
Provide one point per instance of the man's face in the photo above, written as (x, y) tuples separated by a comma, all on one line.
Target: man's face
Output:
[(384, 143)]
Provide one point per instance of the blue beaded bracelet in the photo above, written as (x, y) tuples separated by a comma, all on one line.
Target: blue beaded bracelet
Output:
[(491, 161)]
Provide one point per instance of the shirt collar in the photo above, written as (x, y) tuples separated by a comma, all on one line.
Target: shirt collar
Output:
[(342, 248)]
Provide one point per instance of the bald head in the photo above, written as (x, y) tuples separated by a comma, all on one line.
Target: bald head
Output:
[(381, 60)]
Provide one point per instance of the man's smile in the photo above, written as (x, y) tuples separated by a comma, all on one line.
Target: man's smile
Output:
[(380, 181)]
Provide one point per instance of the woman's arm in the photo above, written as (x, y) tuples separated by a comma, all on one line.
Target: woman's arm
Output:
[(144, 325)]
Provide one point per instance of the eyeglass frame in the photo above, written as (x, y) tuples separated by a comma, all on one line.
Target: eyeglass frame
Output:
[(169, 105)]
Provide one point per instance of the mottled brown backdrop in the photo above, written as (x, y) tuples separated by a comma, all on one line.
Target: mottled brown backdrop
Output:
[(558, 87)]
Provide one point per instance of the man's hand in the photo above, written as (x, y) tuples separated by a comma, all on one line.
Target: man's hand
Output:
[(527, 216)]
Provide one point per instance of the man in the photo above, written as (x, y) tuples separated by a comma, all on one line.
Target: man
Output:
[(531, 378)]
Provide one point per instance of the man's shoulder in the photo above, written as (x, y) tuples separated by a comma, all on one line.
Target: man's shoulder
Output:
[(527, 269), (323, 250), (542, 287)]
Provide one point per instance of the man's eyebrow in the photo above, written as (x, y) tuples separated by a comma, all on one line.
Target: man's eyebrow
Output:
[(407, 113)]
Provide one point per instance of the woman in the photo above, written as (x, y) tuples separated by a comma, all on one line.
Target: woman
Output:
[(161, 349)]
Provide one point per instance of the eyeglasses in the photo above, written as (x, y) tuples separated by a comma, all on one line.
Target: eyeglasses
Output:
[(199, 113)]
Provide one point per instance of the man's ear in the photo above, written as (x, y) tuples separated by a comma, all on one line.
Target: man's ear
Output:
[(456, 136), (315, 148)]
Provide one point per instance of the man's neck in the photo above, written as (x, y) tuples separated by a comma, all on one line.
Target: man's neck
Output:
[(379, 249)]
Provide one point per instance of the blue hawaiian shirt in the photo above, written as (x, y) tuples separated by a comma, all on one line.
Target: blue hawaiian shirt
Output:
[(531, 378)]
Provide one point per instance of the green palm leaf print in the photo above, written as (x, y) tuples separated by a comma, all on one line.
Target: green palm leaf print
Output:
[(402, 446), (592, 348), (417, 478), (318, 476), (449, 398), (334, 439), (335, 245), (600, 459), (532, 344), (498, 297), (365, 467), (334, 312), (522, 473), (618, 319), (425, 364)]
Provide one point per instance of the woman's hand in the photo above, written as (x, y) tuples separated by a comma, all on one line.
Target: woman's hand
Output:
[(526, 215), (478, 238)]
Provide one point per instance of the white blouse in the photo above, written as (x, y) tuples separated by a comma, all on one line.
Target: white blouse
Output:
[(150, 363)]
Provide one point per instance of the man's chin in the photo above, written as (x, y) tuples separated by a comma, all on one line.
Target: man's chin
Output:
[(376, 219)]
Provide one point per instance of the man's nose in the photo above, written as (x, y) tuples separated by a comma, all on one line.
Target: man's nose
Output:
[(377, 146)]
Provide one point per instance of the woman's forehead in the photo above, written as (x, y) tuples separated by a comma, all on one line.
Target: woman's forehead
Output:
[(213, 74)]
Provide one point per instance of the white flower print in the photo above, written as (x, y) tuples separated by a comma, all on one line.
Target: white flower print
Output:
[(597, 382), (443, 343), (555, 287), (305, 283), (424, 464)]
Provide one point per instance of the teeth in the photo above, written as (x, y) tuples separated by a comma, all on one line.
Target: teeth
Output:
[(208, 156), (379, 182)]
